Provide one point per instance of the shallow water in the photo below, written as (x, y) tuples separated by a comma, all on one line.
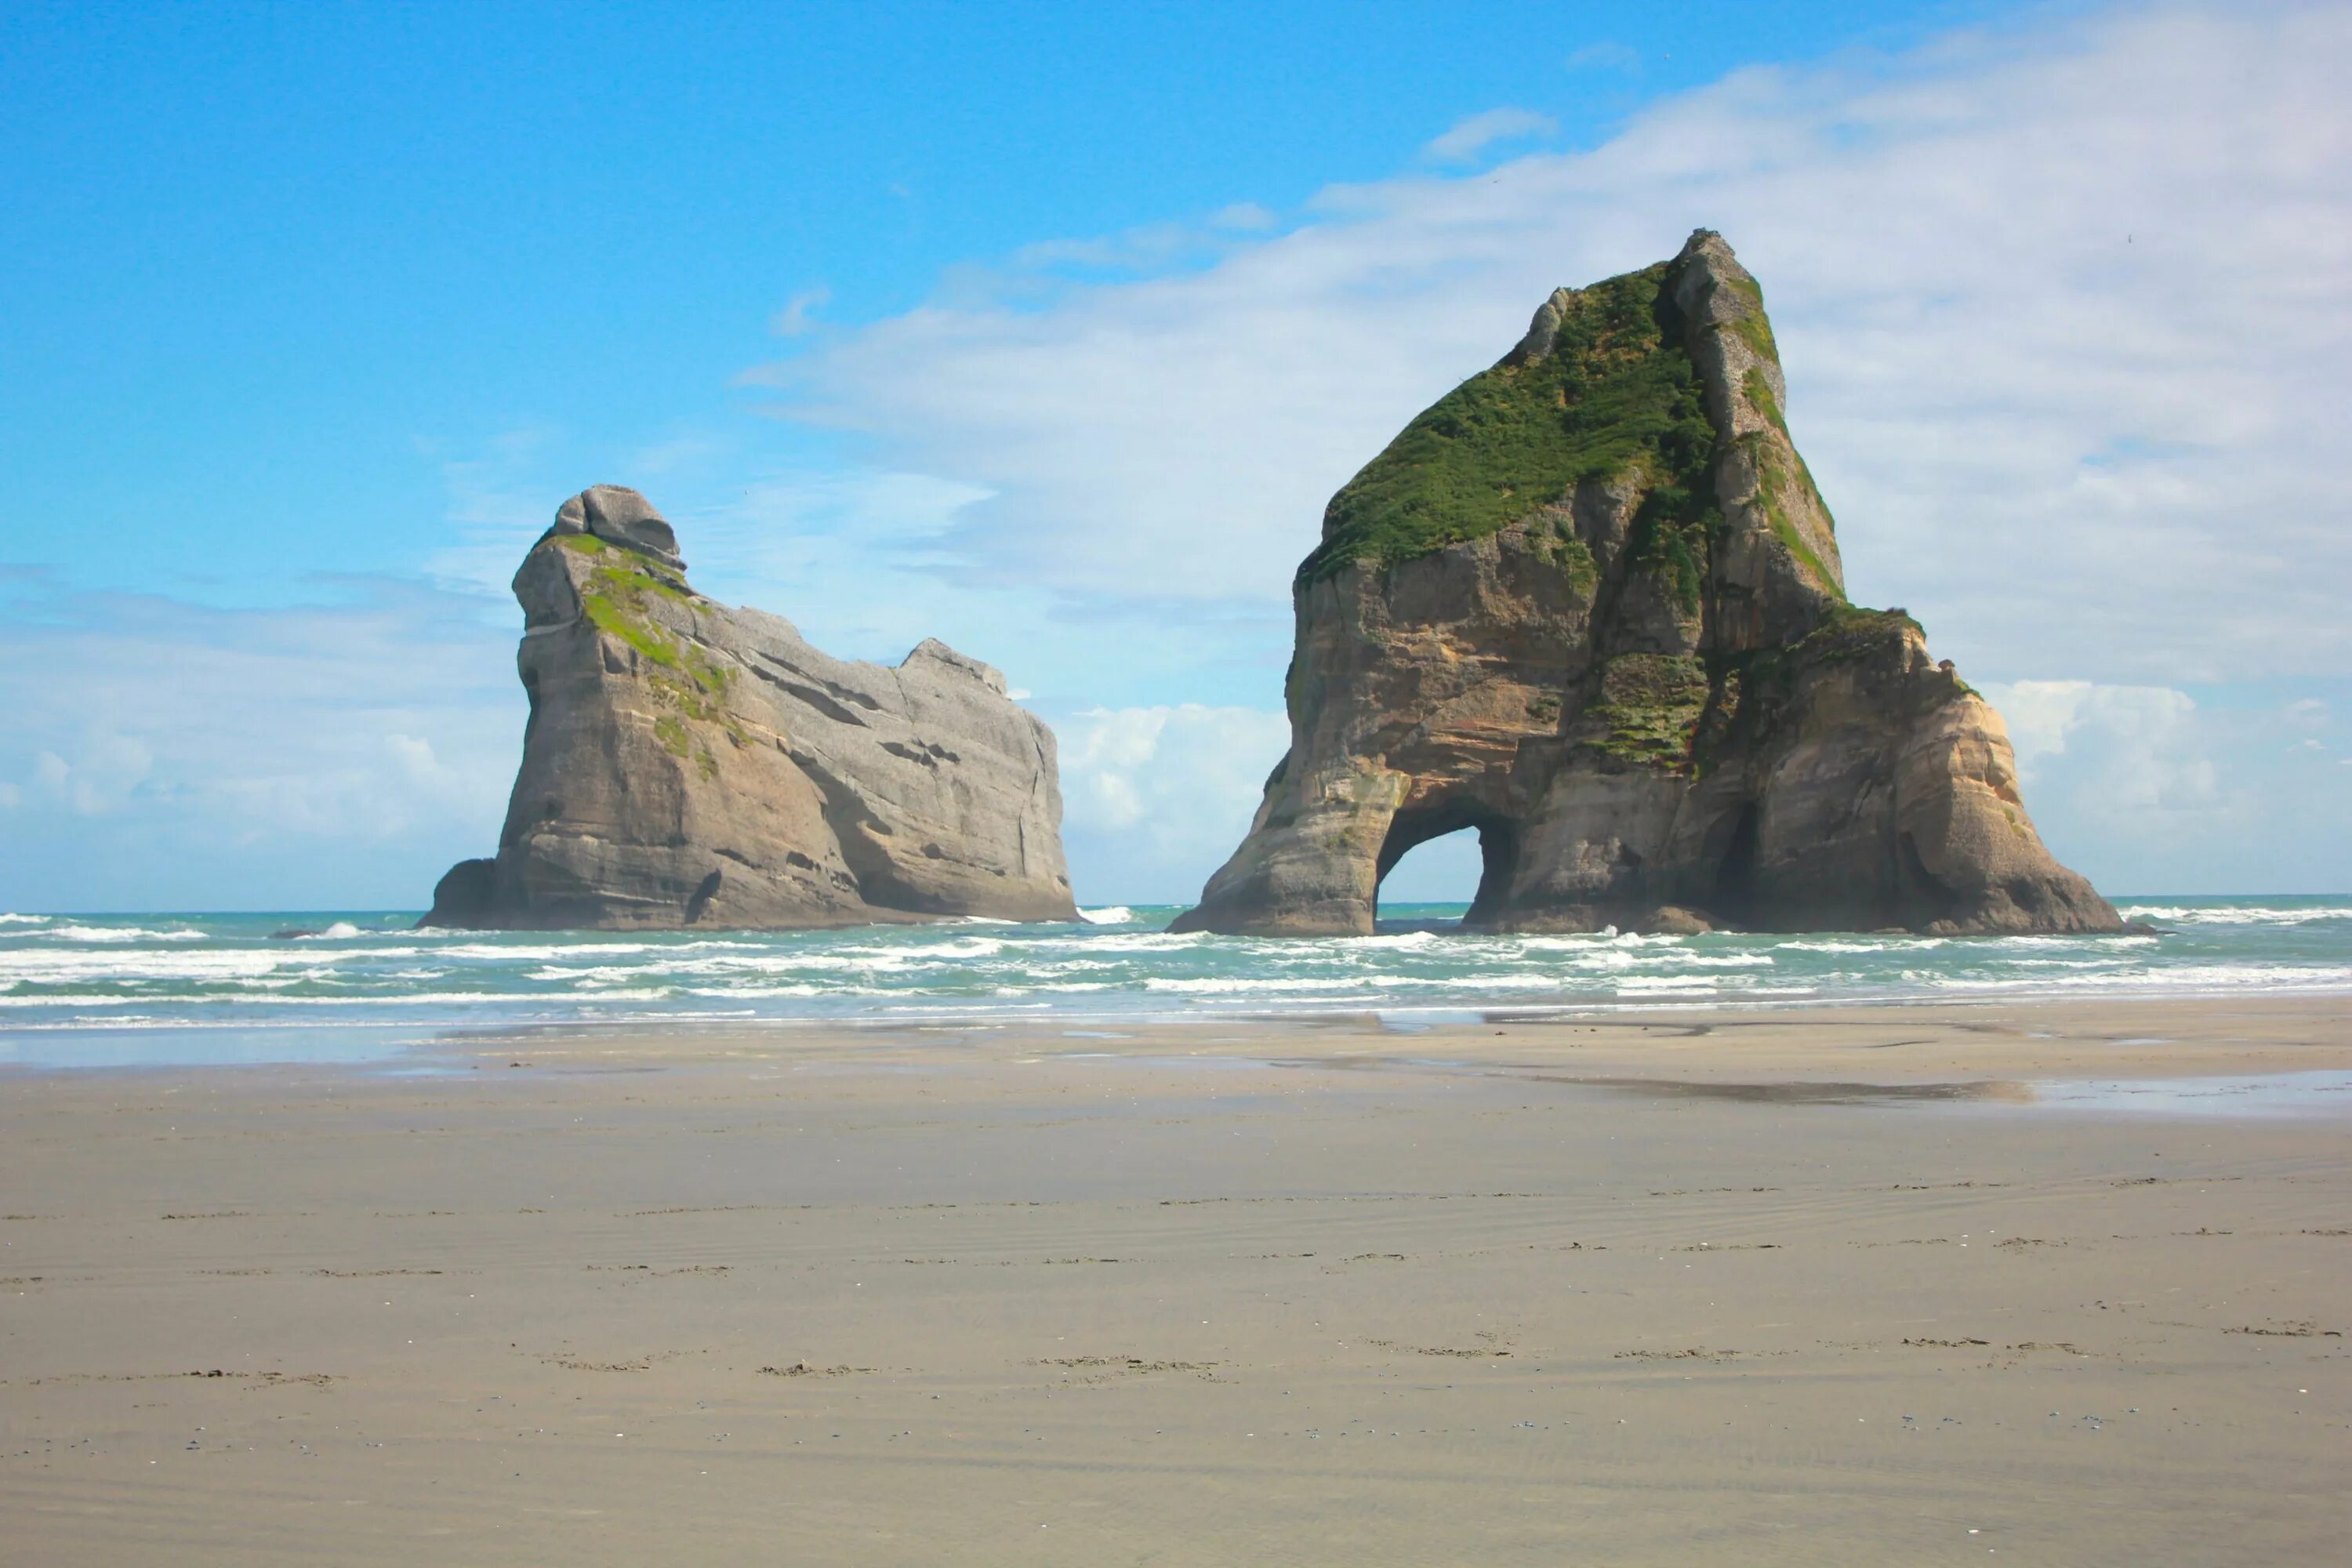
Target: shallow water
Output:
[(96, 990), (2310, 1093)]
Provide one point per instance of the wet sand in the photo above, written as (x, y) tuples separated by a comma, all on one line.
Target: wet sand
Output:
[(2058, 1284)]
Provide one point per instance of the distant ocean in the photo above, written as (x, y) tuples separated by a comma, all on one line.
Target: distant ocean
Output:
[(99, 991)]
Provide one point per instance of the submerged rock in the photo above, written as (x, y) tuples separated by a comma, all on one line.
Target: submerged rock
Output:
[(685, 764), (1590, 603)]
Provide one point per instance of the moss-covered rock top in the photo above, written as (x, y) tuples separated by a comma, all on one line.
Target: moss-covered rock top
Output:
[(1616, 392)]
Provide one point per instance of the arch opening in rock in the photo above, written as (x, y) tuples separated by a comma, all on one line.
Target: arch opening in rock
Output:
[(1498, 847)]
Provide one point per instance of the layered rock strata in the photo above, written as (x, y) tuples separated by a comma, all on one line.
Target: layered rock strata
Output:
[(685, 764), (1590, 604)]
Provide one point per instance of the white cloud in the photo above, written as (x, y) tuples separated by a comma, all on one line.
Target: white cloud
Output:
[(2142, 748), (1154, 797), (106, 768), (314, 756), (2146, 788), (1473, 136), (2062, 309)]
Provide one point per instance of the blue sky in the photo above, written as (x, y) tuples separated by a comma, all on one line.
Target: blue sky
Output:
[(1046, 329)]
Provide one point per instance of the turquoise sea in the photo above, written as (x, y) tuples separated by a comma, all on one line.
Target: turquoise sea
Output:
[(111, 990)]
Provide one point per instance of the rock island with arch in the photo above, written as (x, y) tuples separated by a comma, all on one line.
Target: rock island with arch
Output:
[(1590, 604)]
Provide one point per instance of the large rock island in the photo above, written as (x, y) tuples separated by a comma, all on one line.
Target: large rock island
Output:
[(1590, 604), (685, 764)]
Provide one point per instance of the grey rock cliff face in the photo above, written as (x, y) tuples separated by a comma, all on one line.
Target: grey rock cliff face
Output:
[(1593, 608), (689, 765)]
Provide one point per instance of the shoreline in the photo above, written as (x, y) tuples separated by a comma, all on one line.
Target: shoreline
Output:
[(190, 989), (2272, 1031)]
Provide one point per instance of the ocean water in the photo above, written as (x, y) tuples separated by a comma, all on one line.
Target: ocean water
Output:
[(94, 990)]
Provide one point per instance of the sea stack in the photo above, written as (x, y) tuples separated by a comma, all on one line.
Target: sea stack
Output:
[(1590, 604), (685, 764)]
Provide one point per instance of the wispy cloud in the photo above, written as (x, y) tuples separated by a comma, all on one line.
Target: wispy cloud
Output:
[(799, 314), (165, 754), (1604, 56), (1470, 137), (498, 503), (1243, 214), (2061, 311)]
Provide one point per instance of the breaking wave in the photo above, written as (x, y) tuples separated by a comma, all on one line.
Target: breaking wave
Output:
[(61, 974)]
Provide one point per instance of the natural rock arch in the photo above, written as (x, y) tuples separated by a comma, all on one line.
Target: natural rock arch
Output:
[(1498, 847), (1591, 604)]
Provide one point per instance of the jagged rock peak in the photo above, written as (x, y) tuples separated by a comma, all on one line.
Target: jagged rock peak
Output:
[(685, 764), (1590, 603)]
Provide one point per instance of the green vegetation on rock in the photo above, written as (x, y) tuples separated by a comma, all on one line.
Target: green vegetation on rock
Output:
[(1674, 547), (1760, 394), (1771, 495), (1616, 394), (1755, 328), (618, 597), (1572, 556), (1649, 708), (637, 632), (1846, 634), (697, 699)]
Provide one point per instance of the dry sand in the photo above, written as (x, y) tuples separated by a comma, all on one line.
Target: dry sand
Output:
[(1850, 1286)]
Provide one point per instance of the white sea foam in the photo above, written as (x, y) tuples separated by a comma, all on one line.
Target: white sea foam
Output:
[(1220, 985), (23, 919), (549, 950), (115, 934), (98, 971), (1110, 915), (1391, 939), (53, 966), (2238, 915), (802, 991), (213, 1000), (1587, 941), (2188, 977), (1140, 941)]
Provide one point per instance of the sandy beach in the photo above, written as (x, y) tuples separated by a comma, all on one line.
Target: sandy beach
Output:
[(2054, 1283)]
